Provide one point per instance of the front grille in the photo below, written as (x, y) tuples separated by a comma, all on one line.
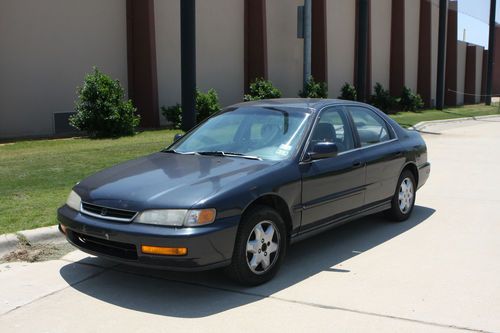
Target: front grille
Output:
[(108, 213), (107, 247)]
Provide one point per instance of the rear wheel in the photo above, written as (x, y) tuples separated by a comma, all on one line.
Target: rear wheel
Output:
[(260, 247), (404, 198)]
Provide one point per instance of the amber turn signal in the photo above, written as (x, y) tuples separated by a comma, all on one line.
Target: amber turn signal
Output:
[(164, 251)]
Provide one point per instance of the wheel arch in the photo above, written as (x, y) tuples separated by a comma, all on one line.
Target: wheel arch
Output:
[(412, 167)]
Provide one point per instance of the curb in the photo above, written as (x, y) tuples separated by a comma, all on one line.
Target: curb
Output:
[(9, 242), (423, 124)]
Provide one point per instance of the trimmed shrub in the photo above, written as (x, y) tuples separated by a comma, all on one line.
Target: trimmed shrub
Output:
[(382, 99), (206, 105), (410, 101), (101, 108), (262, 89), (314, 89), (348, 92), (173, 114)]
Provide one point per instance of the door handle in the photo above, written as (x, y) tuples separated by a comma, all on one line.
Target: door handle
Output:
[(356, 164), (398, 154)]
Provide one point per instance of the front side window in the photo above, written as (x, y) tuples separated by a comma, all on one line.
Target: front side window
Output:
[(370, 127), (266, 133), (332, 126)]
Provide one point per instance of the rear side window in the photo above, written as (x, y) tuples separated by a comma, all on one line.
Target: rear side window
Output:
[(370, 127)]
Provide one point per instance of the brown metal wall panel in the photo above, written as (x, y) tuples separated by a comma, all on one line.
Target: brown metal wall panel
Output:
[(319, 69), (496, 63), (450, 98), (397, 69), (484, 75), (424, 53), (255, 41), (141, 58), (470, 75)]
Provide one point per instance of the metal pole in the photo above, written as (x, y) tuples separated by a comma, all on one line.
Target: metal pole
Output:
[(188, 63), (362, 49), (307, 40), (491, 53), (441, 63)]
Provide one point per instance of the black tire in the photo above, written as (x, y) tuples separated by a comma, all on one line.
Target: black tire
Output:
[(395, 213), (240, 270)]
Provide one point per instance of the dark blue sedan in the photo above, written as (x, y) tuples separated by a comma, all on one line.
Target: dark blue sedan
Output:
[(239, 188)]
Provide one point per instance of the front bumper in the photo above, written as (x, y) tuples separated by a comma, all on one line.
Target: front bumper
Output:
[(208, 246)]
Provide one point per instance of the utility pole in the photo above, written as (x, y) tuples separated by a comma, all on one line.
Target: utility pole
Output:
[(188, 63), (491, 53), (362, 49), (307, 40), (441, 63)]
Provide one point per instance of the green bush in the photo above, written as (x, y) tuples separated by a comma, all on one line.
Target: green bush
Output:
[(173, 114), (410, 101), (101, 108), (348, 92), (314, 89), (262, 89), (382, 99), (206, 105)]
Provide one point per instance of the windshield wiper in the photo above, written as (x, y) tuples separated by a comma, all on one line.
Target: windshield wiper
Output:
[(229, 154), (173, 151)]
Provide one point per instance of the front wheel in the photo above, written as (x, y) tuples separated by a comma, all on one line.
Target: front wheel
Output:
[(404, 198), (260, 247)]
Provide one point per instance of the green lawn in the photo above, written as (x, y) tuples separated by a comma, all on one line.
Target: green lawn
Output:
[(408, 119), (37, 175)]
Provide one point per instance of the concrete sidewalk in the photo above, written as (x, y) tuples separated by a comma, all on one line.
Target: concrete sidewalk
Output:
[(436, 272)]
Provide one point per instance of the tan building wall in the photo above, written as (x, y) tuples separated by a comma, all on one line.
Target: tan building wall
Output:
[(46, 49), (284, 49), (168, 52), (341, 34), (461, 56), (381, 49), (220, 48), (412, 17)]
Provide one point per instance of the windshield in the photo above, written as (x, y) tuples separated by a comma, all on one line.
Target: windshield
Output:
[(265, 133)]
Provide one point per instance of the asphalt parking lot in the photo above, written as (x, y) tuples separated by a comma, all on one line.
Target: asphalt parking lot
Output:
[(438, 271)]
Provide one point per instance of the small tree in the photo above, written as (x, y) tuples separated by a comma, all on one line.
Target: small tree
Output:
[(206, 104), (101, 108), (348, 92), (173, 114), (262, 89), (314, 89)]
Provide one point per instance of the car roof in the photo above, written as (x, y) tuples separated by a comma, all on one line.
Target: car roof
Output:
[(306, 104)]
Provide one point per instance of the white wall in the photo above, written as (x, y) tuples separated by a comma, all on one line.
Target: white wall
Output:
[(168, 52), (46, 49), (412, 23), (461, 56), (341, 36), (381, 41), (284, 49), (479, 71), (220, 48)]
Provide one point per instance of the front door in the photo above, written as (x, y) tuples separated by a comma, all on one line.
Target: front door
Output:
[(332, 186)]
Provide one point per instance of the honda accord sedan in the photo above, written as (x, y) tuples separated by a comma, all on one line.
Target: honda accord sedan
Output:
[(242, 186)]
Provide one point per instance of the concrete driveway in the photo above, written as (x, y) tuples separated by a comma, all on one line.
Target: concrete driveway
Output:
[(439, 271)]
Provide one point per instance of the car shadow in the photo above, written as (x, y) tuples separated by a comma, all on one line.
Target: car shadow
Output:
[(194, 295)]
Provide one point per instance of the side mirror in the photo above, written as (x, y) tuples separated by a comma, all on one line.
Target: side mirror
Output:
[(323, 150), (178, 136)]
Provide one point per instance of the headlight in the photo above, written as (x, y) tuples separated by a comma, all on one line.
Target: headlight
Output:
[(74, 201), (177, 217)]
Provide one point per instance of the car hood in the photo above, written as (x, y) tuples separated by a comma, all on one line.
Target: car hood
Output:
[(165, 180)]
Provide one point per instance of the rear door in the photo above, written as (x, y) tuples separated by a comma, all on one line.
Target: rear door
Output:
[(380, 152), (332, 186)]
